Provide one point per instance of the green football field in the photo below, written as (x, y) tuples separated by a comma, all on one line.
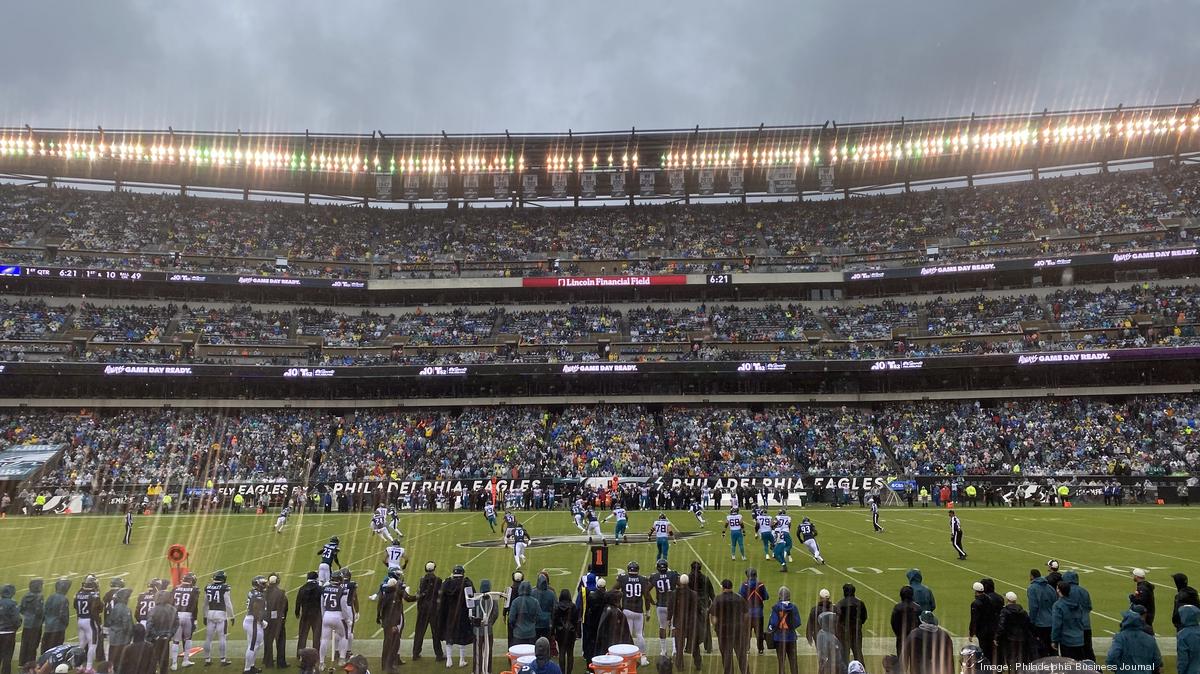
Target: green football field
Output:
[(1102, 544)]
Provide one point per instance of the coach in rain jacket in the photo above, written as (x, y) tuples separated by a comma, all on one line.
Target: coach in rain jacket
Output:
[(1187, 641), (57, 615), (921, 594), (33, 607), (1132, 649)]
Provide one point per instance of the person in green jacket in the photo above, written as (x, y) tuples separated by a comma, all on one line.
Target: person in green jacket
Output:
[(523, 615), (1066, 630), (57, 615), (119, 621), (1133, 650), (33, 608), (1085, 603), (922, 595), (1187, 641), (546, 598), (10, 620)]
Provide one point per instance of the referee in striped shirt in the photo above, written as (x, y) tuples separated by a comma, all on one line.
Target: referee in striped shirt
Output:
[(956, 535), (128, 525)]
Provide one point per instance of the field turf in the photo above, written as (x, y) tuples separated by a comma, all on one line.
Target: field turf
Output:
[(1103, 544)]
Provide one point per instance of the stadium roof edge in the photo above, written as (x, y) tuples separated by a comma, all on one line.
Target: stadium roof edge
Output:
[(849, 126)]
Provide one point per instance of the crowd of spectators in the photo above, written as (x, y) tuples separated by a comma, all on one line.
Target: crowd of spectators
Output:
[(147, 230), (236, 325), (1136, 315), (1151, 435)]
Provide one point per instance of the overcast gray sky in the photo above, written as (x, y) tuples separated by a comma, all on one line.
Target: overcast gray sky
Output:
[(547, 66)]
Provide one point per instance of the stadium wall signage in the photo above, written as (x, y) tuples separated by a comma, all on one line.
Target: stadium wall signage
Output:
[(604, 281), (881, 367), (1023, 264)]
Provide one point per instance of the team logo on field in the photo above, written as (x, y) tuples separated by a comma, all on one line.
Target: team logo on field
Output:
[(542, 541)]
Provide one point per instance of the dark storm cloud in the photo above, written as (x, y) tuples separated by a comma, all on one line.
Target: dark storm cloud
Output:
[(533, 66)]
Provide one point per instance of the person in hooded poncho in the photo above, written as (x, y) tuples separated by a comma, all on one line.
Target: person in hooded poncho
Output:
[(829, 647), (929, 649), (57, 614), (10, 620), (542, 662), (1066, 632), (592, 610), (1133, 650), (613, 628), (1185, 595), (1084, 598), (32, 608), (1187, 641), (565, 625), (921, 594), (546, 598), (523, 615), (906, 615)]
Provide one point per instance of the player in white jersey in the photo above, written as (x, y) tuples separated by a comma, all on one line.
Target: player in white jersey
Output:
[(489, 513), (577, 514), (520, 539), (765, 533), (698, 511), (379, 525), (784, 521), (593, 525), (622, 522), (282, 519), (733, 525), (395, 557)]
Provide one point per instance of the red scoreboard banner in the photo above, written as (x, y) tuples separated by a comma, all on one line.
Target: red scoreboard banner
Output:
[(604, 281)]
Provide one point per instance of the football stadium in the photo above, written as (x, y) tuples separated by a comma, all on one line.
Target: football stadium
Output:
[(915, 396)]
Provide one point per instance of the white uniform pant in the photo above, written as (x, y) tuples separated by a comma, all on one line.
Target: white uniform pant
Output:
[(333, 632), (665, 643), (183, 635), (323, 573), (811, 544), (594, 529), (383, 533), (519, 552), (279, 522), (254, 639), (637, 622), (89, 632), (217, 627), (348, 619)]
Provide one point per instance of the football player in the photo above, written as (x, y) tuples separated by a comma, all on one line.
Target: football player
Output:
[(663, 533), (784, 521), (489, 513), (577, 514), (663, 583), (87, 615), (379, 524), (808, 536), (763, 521), (520, 539), (282, 519), (255, 622), (593, 525), (349, 612), (394, 557), (783, 541), (510, 521), (329, 556), (218, 599), (622, 522), (333, 621), (733, 526), (635, 601), (698, 511), (394, 521), (186, 598), (145, 604)]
